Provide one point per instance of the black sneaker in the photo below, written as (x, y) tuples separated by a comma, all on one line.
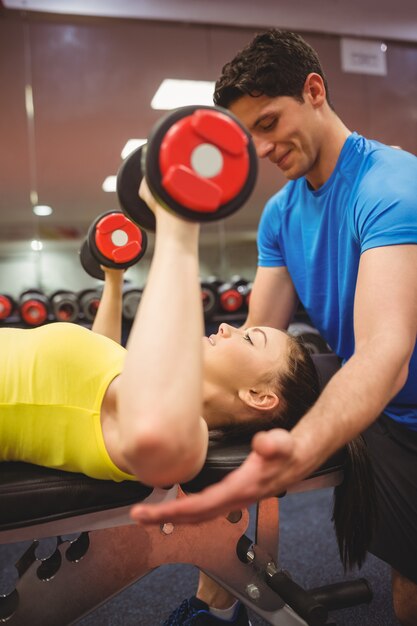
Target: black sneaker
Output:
[(195, 612)]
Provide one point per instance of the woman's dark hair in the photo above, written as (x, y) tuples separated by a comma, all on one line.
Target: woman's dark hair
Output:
[(355, 514), (298, 386), (275, 63)]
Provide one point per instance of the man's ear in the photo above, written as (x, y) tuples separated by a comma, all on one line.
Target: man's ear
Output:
[(314, 89), (263, 400)]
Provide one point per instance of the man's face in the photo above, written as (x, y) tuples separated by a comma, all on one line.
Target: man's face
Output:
[(284, 130)]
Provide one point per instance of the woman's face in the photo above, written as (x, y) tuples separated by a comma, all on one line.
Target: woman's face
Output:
[(236, 358)]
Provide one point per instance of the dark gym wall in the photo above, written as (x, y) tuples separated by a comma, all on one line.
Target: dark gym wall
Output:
[(92, 82)]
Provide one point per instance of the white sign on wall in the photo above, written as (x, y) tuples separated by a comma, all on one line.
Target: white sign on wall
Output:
[(362, 56)]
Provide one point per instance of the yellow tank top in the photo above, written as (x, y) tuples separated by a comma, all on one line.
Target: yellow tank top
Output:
[(52, 383)]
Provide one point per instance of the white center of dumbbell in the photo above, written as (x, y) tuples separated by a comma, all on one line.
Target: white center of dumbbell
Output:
[(207, 160), (119, 238)]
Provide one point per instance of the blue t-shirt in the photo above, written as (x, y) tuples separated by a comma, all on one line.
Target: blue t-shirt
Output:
[(370, 200)]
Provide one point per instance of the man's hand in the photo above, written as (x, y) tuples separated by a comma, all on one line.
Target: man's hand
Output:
[(267, 471)]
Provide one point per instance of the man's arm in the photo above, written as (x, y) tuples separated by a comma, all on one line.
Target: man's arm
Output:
[(108, 321), (385, 324), (273, 300), (385, 335)]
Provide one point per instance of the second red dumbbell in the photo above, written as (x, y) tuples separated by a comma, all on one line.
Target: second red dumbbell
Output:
[(112, 241)]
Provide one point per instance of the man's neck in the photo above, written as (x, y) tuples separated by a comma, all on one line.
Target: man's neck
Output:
[(336, 135)]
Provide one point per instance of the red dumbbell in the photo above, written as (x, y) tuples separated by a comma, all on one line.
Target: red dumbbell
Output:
[(33, 307), (200, 162), (233, 295), (7, 306), (113, 240)]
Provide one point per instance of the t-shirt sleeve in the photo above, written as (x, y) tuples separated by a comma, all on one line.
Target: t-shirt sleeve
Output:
[(269, 249), (386, 208)]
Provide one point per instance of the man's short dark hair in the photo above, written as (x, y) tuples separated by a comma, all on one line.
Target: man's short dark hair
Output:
[(275, 63)]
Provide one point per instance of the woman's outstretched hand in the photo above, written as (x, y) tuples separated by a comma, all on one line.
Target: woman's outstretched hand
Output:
[(268, 471)]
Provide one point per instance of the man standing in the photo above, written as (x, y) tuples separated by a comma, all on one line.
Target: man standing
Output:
[(341, 236)]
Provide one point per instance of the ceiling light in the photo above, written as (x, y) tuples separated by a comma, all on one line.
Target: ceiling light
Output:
[(109, 184), (36, 245), (131, 145), (173, 93), (42, 210), (29, 101)]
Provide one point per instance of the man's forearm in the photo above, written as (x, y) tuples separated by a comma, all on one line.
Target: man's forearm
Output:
[(351, 401)]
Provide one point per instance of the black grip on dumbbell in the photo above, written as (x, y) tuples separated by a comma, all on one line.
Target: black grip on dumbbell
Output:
[(129, 177), (300, 600), (33, 307), (89, 263), (199, 161), (131, 301), (89, 300), (113, 241), (65, 305), (7, 306)]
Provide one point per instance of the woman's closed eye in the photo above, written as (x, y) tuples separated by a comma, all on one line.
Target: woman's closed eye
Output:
[(247, 337)]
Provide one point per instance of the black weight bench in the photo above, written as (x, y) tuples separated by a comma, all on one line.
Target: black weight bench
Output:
[(110, 553)]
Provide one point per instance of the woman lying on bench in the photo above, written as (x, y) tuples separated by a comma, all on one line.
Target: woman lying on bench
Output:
[(76, 400)]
